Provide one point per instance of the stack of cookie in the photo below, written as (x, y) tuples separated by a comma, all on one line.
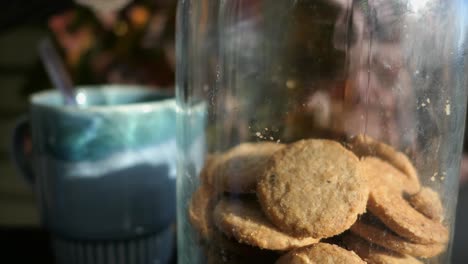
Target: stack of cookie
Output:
[(316, 200)]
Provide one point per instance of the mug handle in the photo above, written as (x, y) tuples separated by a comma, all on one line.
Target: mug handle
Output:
[(21, 159)]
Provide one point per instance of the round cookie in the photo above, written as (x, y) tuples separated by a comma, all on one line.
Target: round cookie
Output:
[(320, 253), (238, 169), (379, 172), (231, 251), (245, 221), (199, 211), (375, 255), (399, 216), (363, 145), (208, 171), (375, 232), (225, 244), (313, 188), (217, 255), (428, 203)]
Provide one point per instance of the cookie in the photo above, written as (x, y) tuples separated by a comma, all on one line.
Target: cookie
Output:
[(208, 171), (226, 244), (373, 254), (320, 253), (375, 232), (363, 146), (313, 188), (216, 255), (244, 221), (399, 216), (379, 172), (428, 203), (239, 168), (199, 212)]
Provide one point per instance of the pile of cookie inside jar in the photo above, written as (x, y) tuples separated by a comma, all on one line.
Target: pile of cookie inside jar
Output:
[(336, 141), (316, 201)]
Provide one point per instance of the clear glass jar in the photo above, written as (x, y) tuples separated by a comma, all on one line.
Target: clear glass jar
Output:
[(311, 129)]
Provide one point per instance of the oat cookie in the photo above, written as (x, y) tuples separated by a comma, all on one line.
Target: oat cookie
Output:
[(375, 232), (320, 253), (226, 244), (399, 216), (379, 172), (199, 212), (363, 146), (313, 188), (208, 171), (239, 168), (244, 221), (217, 255), (373, 254), (428, 203), (201, 217)]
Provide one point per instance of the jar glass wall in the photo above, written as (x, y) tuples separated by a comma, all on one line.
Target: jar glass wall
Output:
[(316, 128)]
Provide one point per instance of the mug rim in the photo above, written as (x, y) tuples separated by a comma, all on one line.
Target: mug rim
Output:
[(37, 99)]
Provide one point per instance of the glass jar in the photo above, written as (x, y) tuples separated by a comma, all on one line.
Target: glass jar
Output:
[(319, 129)]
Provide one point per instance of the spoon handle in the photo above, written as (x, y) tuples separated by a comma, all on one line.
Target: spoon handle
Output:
[(57, 71)]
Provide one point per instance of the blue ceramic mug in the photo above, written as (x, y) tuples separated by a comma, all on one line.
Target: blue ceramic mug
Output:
[(104, 173)]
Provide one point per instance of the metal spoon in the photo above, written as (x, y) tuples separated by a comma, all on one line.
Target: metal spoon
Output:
[(57, 72)]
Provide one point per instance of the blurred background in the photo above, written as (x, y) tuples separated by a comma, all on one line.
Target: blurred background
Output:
[(130, 45)]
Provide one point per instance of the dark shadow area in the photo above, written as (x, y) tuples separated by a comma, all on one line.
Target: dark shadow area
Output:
[(460, 246)]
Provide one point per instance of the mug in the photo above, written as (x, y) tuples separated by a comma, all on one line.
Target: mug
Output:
[(104, 172)]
